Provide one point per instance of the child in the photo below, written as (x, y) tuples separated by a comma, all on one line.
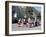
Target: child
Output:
[(29, 23), (19, 22)]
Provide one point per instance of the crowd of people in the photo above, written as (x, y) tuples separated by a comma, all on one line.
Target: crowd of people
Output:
[(28, 22)]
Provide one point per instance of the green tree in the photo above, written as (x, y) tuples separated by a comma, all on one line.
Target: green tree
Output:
[(29, 12)]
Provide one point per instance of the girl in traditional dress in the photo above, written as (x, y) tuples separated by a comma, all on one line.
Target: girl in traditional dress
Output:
[(29, 23), (19, 22)]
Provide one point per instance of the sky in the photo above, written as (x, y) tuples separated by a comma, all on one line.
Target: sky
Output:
[(38, 8)]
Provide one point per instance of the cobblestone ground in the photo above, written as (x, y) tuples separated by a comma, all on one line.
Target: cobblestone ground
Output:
[(16, 28)]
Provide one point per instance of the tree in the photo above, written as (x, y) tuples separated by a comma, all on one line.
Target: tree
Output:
[(29, 12), (39, 16)]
